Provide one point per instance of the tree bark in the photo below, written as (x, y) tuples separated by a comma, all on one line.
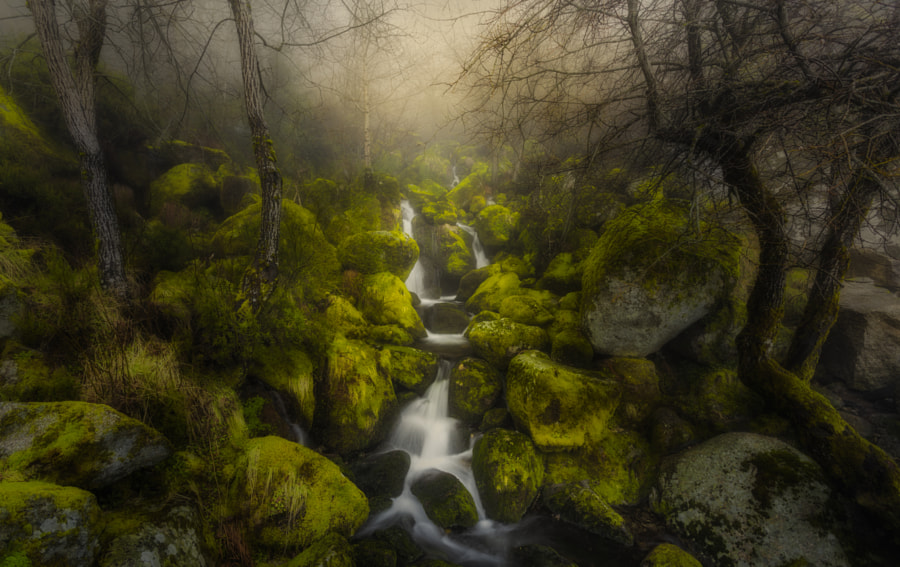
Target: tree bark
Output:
[(76, 96), (260, 278)]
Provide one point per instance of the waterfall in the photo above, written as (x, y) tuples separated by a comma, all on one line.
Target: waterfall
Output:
[(415, 282), (455, 181), (481, 259)]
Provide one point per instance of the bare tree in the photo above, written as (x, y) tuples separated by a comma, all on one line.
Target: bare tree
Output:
[(260, 278), (74, 85)]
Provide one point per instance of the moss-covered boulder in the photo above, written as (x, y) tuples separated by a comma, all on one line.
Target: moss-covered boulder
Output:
[(409, 368), (508, 473), (306, 259), (558, 406), (374, 553), (26, 377), (46, 524), (439, 211), (579, 505), (445, 248), (651, 275), (745, 499), (475, 184), (640, 389), (343, 318), (563, 275), (475, 386), (381, 476), (333, 550), (500, 340), (716, 399), (175, 538), (445, 500), (496, 226), (185, 186), (354, 401), (377, 251), (294, 495), (572, 348), (526, 310), (384, 300), (492, 291), (470, 282), (76, 443), (620, 468), (291, 372), (669, 555)]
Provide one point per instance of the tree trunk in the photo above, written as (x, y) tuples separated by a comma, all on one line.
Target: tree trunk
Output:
[(259, 281), (76, 97)]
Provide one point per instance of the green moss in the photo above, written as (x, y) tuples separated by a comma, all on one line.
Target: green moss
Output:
[(187, 184), (409, 368), (379, 251), (777, 471), (508, 473), (385, 300), (496, 225), (526, 310), (439, 212), (333, 550), (290, 371), (580, 505), (445, 500), (491, 292), (498, 341), (668, 555), (474, 184), (29, 379), (475, 386)]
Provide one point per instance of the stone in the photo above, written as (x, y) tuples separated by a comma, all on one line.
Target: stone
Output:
[(76, 443), (384, 300), (500, 340), (445, 318), (668, 555), (560, 407), (176, 539), (475, 386), (579, 505), (508, 473), (861, 349), (381, 475), (371, 252), (409, 368), (744, 500), (49, 524), (333, 550), (526, 310), (445, 500), (495, 225)]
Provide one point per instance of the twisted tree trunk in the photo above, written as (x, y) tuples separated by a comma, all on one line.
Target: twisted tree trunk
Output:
[(75, 91)]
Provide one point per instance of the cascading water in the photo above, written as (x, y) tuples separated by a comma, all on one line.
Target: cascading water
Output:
[(481, 259), (415, 282)]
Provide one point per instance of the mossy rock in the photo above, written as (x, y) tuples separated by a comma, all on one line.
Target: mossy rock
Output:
[(472, 185), (496, 225), (620, 468), (343, 318), (46, 524), (374, 553), (716, 399), (439, 212), (445, 318), (306, 260), (445, 500), (332, 550), (526, 310), (355, 402), (291, 372), (76, 443), (470, 282), (669, 555), (384, 300), (579, 505), (445, 246), (572, 348), (381, 476), (377, 251), (401, 542), (362, 214), (500, 341), (539, 556), (563, 275), (294, 495), (639, 386), (670, 432), (560, 407), (21, 138), (409, 368), (475, 386), (495, 417), (653, 274), (571, 301), (190, 185), (492, 291), (508, 473), (25, 377), (175, 538)]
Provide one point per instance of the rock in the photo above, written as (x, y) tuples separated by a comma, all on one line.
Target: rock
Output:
[(176, 539), (579, 505), (558, 406), (572, 348), (49, 524), (470, 282), (668, 555), (563, 275), (861, 350), (501, 340), (620, 468), (525, 310), (381, 476), (639, 386), (409, 368), (384, 300), (290, 372), (399, 540), (333, 550), (355, 403), (186, 186), (76, 443), (374, 553), (445, 247), (492, 291), (475, 386), (670, 433), (25, 377), (445, 318), (495, 225), (295, 495), (345, 319), (749, 500), (717, 399), (445, 500), (649, 278), (539, 556), (496, 417), (508, 473), (439, 212), (377, 251)]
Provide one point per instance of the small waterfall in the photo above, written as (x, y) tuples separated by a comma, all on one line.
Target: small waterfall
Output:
[(415, 282), (455, 181), (481, 259), (300, 435)]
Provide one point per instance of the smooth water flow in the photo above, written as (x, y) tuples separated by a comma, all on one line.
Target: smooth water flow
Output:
[(481, 259), (415, 282)]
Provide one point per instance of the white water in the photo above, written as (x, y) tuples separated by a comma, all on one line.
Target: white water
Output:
[(415, 282), (481, 259), (301, 436)]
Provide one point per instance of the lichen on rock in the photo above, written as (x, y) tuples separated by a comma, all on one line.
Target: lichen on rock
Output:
[(508, 473)]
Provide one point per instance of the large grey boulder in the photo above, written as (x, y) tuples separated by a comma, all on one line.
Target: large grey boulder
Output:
[(651, 275), (48, 524), (863, 348), (176, 539), (76, 443), (747, 500)]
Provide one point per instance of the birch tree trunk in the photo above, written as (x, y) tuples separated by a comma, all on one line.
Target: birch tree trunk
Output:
[(259, 280), (75, 90)]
